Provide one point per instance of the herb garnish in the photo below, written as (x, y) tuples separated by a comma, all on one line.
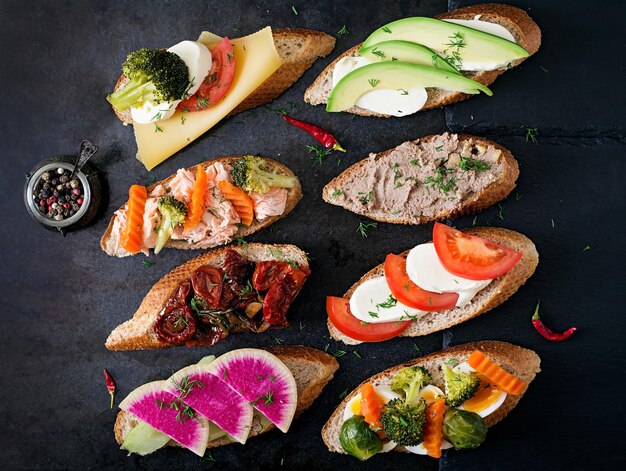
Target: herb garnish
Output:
[(343, 395), (339, 353), (386, 29), (343, 32), (279, 341), (543, 69), (380, 54), (182, 120), (357, 354), (531, 134), (444, 179), (454, 46), (148, 264), (293, 9), (157, 128), (500, 212), (365, 197), (477, 165), (364, 227), (373, 314), (373, 82), (587, 247), (403, 91), (388, 303), (336, 193), (321, 153)]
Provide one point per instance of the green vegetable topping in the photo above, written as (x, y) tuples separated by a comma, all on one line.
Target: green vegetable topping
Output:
[(252, 174), (408, 382), (155, 76), (358, 440), (173, 213), (403, 422), (464, 429), (459, 386)]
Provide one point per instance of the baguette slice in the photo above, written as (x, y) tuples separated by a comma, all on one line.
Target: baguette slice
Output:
[(494, 294), (311, 368), (497, 182), (516, 360), (525, 31), (137, 333), (107, 243), (298, 50)]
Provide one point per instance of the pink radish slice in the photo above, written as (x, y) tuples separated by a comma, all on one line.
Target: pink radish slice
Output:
[(152, 404), (262, 380), (214, 399)]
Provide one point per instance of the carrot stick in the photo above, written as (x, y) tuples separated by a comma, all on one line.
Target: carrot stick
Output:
[(196, 207), (433, 429), (243, 204), (371, 406), (495, 374), (132, 236)]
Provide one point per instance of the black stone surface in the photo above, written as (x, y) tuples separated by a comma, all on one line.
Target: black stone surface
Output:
[(62, 296)]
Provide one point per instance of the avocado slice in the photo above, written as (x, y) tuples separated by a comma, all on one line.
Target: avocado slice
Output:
[(457, 42), (143, 439), (396, 75), (405, 51)]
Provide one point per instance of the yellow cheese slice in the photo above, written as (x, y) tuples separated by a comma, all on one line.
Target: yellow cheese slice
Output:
[(256, 59)]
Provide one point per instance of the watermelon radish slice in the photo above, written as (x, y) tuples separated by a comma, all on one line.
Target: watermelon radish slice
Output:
[(151, 403), (262, 380), (214, 399)]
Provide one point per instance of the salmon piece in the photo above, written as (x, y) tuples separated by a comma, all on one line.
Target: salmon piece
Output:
[(181, 186), (268, 204)]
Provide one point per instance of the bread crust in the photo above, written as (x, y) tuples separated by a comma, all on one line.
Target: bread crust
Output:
[(491, 194), (312, 370), (525, 31), (137, 333), (312, 45), (293, 196), (498, 291), (521, 362)]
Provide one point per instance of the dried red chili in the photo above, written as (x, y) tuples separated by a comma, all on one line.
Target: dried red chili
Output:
[(324, 137), (110, 383), (545, 332)]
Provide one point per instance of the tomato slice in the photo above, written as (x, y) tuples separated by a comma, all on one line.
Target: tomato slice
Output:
[(217, 82), (470, 256), (408, 293), (338, 310)]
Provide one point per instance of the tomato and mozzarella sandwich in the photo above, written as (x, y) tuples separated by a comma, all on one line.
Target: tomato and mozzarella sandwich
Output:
[(433, 286), (201, 207)]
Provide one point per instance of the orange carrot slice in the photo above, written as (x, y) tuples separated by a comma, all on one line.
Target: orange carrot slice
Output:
[(433, 429), (243, 204), (196, 207), (371, 406), (132, 236), (495, 374)]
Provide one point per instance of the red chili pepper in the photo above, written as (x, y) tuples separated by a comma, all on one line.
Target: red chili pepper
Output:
[(547, 333), (324, 137), (108, 379)]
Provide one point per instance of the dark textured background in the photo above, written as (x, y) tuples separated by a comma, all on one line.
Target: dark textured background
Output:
[(62, 296)]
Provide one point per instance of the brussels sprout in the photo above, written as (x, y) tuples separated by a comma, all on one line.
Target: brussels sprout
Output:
[(358, 440), (464, 429)]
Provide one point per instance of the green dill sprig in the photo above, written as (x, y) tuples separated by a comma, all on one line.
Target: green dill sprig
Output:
[(531, 135), (321, 153), (364, 227), (477, 165), (343, 32)]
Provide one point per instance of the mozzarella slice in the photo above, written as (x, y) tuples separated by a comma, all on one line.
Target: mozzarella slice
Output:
[(384, 101), (426, 271), (198, 60), (373, 302)]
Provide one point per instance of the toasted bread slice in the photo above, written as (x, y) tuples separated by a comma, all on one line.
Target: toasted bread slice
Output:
[(518, 361), (311, 368), (298, 49), (525, 31), (107, 243), (419, 200), (494, 294), (137, 333)]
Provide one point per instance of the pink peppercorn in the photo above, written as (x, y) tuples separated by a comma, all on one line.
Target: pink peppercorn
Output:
[(76, 191), (79, 201)]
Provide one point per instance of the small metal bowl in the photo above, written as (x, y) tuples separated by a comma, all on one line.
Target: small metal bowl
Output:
[(90, 182)]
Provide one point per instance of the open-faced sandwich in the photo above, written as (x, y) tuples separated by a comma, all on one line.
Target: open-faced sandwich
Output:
[(457, 276), (240, 288), (444, 400), (422, 63), (202, 207), (174, 96), (434, 177), (224, 400)]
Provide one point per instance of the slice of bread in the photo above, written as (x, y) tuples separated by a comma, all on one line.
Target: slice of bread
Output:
[(137, 333), (311, 368), (518, 361), (297, 48), (494, 294), (525, 31), (497, 182), (108, 243)]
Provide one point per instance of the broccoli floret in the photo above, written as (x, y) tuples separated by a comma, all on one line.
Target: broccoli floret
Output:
[(252, 174), (409, 381), (154, 75), (173, 213), (459, 386), (403, 423)]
